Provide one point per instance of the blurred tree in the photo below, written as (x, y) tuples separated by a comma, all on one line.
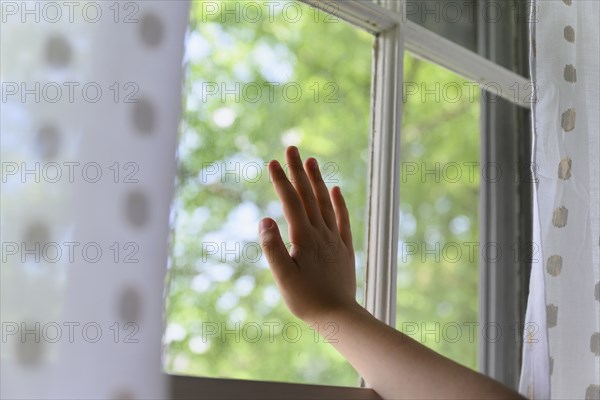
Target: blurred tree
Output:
[(438, 255), (254, 86)]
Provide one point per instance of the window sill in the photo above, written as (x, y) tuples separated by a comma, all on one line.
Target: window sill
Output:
[(190, 387)]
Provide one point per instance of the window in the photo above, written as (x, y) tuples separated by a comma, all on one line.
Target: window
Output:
[(211, 144), (259, 79)]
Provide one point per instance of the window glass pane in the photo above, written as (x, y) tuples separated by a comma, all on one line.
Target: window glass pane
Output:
[(260, 76), (438, 254)]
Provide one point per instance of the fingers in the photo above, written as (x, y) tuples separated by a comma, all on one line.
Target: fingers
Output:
[(342, 216), (321, 193), (302, 185), (281, 263), (293, 209)]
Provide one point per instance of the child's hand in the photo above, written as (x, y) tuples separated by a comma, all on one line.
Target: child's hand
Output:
[(317, 276), (318, 283)]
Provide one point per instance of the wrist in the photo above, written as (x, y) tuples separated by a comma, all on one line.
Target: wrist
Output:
[(337, 316)]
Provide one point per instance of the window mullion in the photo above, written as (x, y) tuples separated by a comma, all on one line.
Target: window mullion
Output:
[(383, 211)]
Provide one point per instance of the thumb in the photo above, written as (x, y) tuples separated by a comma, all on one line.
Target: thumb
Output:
[(272, 245)]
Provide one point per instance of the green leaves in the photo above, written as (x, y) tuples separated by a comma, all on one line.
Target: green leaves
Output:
[(242, 109)]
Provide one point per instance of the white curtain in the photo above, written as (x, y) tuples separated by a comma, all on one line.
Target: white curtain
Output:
[(561, 357), (89, 117)]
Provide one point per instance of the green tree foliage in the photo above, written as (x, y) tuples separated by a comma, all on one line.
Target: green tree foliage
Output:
[(438, 254), (252, 87)]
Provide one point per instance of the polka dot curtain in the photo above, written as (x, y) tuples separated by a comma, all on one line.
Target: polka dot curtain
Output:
[(91, 99), (561, 356)]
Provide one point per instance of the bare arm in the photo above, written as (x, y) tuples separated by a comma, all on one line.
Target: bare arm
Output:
[(317, 279)]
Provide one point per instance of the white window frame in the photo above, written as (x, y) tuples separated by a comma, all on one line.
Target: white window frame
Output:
[(394, 33)]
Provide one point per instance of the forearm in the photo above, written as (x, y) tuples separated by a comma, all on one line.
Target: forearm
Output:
[(397, 366)]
